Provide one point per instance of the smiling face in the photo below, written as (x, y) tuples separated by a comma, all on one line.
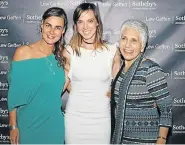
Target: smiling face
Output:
[(87, 25), (130, 44), (52, 29)]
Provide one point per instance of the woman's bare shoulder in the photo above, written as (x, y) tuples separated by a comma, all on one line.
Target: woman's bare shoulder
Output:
[(22, 53)]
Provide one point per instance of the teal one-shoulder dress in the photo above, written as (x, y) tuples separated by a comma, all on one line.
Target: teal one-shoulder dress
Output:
[(35, 87)]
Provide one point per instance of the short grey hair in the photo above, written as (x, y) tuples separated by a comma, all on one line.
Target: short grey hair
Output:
[(139, 26)]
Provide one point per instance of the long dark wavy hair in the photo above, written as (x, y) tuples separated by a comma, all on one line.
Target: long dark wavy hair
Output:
[(59, 45)]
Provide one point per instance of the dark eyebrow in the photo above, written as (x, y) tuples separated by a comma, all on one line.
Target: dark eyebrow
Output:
[(51, 25), (47, 23), (91, 19), (60, 26), (88, 19), (135, 38)]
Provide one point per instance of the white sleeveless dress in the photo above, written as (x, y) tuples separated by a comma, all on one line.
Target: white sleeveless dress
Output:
[(87, 114)]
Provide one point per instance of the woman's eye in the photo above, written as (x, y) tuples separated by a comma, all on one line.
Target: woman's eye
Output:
[(47, 25), (79, 22), (134, 40), (59, 28), (91, 21)]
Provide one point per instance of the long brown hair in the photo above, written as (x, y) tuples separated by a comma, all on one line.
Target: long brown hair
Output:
[(76, 39)]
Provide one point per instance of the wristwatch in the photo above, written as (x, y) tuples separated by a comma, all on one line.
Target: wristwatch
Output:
[(12, 127)]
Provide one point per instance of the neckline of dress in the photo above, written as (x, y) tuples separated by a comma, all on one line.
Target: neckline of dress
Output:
[(82, 48), (32, 59)]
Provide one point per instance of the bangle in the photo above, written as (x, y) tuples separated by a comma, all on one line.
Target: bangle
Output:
[(161, 137), (12, 127)]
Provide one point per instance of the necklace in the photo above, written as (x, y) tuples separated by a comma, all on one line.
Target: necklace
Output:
[(88, 42), (50, 65)]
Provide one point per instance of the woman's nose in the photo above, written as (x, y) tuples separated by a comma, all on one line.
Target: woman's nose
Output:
[(127, 43), (52, 31)]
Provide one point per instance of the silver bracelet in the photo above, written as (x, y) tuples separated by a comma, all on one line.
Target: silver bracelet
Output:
[(12, 127)]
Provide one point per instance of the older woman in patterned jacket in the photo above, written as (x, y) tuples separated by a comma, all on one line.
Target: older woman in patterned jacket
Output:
[(141, 104)]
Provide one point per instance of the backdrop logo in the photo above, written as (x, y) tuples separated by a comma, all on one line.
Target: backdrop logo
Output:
[(159, 47), (3, 86), (13, 17), (10, 17), (51, 4), (74, 3), (179, 20), (3, 59), (3, 4), (3, 72), (3, 125), (111, 32), (10, 45), (168, 75), (143, 5), (178, 129), (178, 102), (4, 137), (3, 113), (108, 32), (179, 47), (115, 4), (70, 4), (178, 75), (157, 19), (4, 32), (3, 18), (3, 99), (32, 18), (152, 33)]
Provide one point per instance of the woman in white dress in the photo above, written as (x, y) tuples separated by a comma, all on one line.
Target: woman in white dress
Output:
[(91, 64)]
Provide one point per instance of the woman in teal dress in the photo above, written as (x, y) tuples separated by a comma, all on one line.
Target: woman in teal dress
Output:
[(36, 81)]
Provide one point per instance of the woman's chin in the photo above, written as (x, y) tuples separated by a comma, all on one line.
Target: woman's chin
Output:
[(130, 58), (50, 43)]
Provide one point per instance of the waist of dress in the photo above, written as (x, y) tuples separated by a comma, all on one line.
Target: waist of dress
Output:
[(93, 84), (41, 108), (88, 114), (89, 90), (88, 105)]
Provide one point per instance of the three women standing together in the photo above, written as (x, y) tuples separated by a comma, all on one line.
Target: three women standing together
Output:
[(37, 79)]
